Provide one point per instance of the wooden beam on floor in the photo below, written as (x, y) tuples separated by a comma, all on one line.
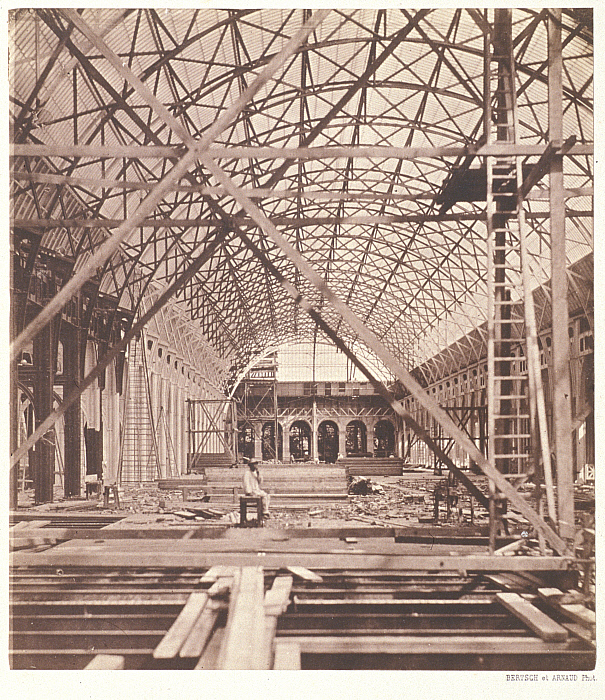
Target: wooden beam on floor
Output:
[(546, 628), (242, 647), (287, 656), (305, 574), (195, 643), (77, 556), (277, 599), (106, 662), (176, 636)]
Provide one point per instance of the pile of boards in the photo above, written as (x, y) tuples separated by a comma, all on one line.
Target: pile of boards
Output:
[(373, 466)]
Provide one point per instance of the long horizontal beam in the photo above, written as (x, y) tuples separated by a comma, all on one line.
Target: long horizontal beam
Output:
[(388, 359), (267, 152), (285, 221), (260, 192)]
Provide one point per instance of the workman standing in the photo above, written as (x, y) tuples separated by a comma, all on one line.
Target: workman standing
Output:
[(253, 482)]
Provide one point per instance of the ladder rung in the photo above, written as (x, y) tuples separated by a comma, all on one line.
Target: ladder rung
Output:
[(511, 455), (511, 396), (510, 376), (511, 435)]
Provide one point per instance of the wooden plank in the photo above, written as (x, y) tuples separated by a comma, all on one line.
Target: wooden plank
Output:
[(106, 662), (535, 619), (30, 524), (16, 543), (277, 599), (304, 573), (174, 639), (576, 612), (581, 632), (351, 560), (442, 644), (222, 585), (510, 548), (201, 631), (243, 647), (287, 656), (209, 659), (216, 572)]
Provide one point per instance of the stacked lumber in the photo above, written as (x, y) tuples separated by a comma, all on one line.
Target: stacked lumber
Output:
[(372, 466)]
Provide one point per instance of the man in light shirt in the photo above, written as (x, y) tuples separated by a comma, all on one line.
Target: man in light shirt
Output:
[(253, 482)]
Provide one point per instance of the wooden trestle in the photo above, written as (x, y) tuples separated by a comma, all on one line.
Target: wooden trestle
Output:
[(218, 598)]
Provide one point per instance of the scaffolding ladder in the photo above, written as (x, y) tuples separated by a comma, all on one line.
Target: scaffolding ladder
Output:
[(509, 408), (517, 429)]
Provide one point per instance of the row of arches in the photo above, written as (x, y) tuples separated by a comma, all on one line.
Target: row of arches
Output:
[(328, 441)]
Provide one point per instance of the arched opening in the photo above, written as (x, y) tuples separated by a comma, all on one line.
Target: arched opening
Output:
[(384, 439), (327, 441), (300, 441), (245, 440), (268, 442), (357, 439)]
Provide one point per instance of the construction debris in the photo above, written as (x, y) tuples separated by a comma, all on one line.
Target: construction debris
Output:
[(363, 486)]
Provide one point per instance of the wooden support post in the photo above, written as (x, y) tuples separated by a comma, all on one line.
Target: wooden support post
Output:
[(73, 427), (560, 315)]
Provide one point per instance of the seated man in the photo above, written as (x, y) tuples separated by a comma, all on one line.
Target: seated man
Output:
[(253, 482)]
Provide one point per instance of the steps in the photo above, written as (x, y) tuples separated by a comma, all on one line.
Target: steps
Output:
[(290, 486), (197, 463)]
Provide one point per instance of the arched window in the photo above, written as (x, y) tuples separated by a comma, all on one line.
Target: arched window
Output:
[(384, 439), (327, 441), (300, 441), (357, 438), (268, 442)]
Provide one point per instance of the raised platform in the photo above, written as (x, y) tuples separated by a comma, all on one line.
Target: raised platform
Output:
[(373, 466)]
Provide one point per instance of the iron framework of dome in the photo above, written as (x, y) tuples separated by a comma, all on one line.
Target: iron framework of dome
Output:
[(287, 173)]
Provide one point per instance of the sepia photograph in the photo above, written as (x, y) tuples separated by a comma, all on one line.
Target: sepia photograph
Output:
[(302, 372)]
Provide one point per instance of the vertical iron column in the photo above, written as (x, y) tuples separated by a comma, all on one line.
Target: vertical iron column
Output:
[(14, 414), (44, 452), (560, 313), (72, 368), (276, 425)]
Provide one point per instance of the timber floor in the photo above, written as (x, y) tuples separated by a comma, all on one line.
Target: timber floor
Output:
[(122, 594)]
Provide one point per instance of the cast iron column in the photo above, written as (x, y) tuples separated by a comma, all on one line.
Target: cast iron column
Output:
[(44, 452)]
